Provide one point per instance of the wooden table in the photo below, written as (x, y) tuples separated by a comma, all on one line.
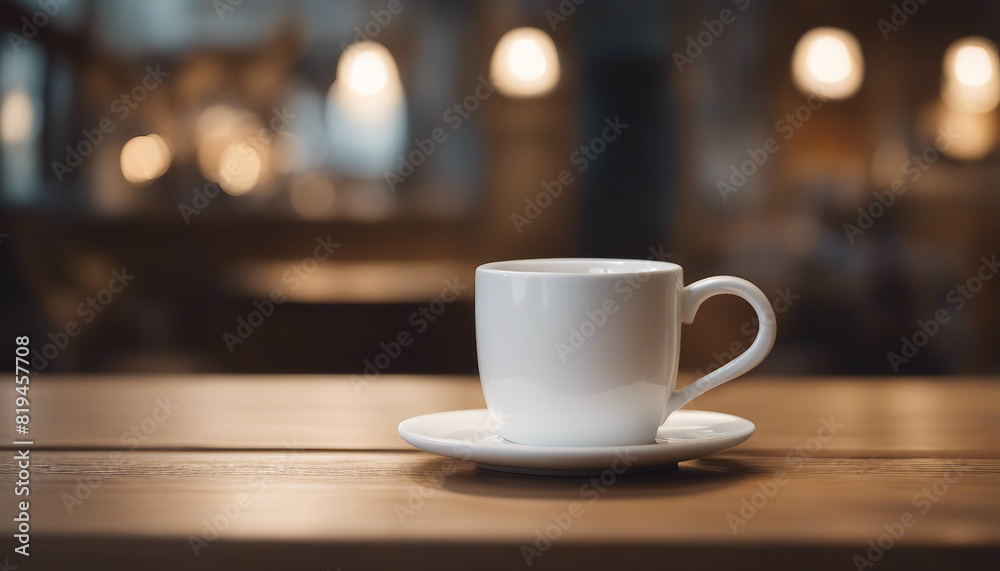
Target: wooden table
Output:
[(304, 472)]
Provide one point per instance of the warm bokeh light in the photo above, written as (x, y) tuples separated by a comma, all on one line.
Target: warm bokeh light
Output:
[(525, 63), (828, 62), (970, 81), (366, 114), (239, 169), (233, 148), (367, 79), (17, 117), (368, 74), (973, 66), (526, 60), (145, 158), (216, 130)]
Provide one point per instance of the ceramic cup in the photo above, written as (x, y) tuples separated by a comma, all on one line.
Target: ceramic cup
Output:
[(583, 352)]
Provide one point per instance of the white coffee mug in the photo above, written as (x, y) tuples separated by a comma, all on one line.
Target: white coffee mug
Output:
[(584, 352)]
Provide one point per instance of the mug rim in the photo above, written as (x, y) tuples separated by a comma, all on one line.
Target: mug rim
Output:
[(617, 267)]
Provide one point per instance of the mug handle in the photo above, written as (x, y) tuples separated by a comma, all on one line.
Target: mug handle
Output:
[(691, 298)]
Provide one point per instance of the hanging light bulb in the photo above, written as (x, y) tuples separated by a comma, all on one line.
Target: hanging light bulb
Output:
[(827, 62), (525, 63), (970, 82)]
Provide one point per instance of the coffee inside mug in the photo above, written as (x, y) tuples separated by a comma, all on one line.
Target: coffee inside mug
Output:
[(578, 266)]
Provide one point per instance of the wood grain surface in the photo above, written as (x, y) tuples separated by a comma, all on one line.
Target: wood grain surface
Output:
[(308, 473)]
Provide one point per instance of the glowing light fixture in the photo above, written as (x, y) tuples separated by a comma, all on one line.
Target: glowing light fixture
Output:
[(828, 62), (368, 74), (366, 112), (973, 66), (367, 80), (526, 60), (145, 158), (970, 81), (17, 117), (525, 63)]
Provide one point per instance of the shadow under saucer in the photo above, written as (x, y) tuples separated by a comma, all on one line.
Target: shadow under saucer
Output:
[(472, 479)]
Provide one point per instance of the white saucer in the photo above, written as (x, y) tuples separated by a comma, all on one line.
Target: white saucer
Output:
[(472, 435)]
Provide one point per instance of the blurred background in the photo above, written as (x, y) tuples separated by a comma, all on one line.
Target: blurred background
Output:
[(260, 187)]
